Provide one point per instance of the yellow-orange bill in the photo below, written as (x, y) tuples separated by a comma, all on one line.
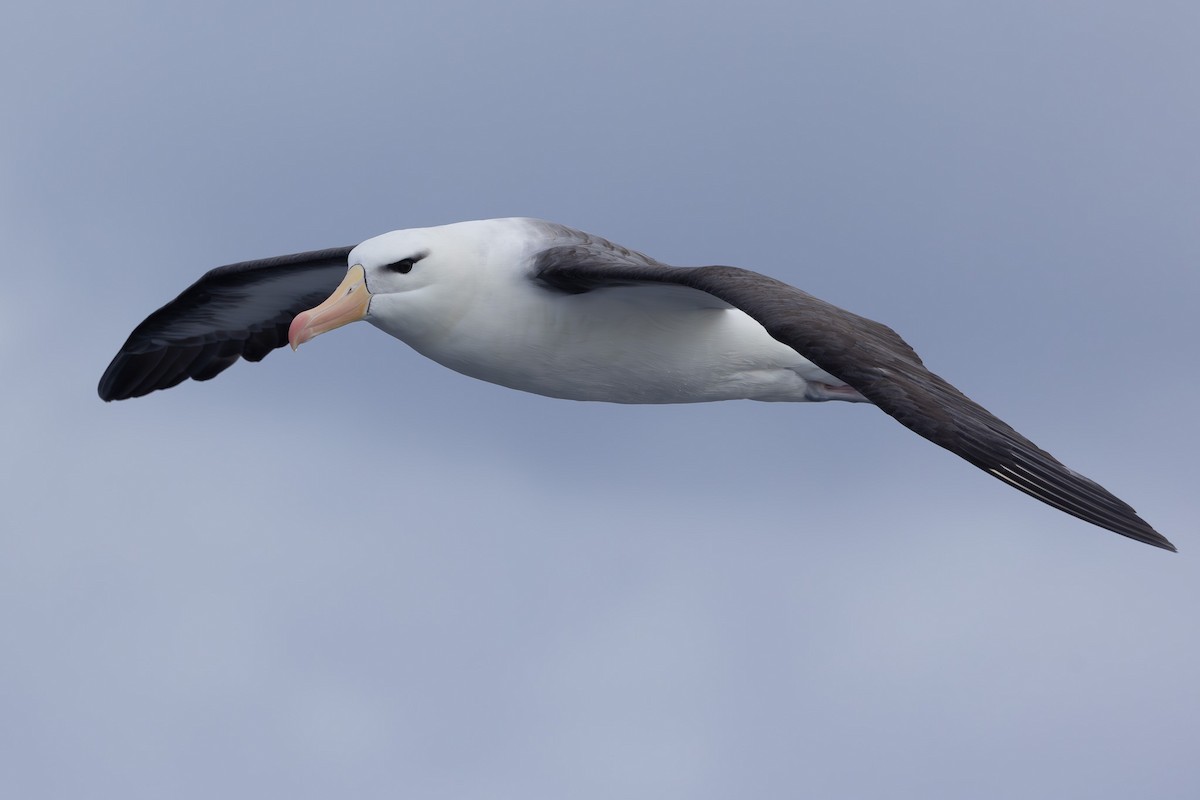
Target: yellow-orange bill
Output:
[(347, 304)]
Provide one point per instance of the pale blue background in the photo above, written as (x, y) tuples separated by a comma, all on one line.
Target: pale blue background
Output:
[(349, 572)]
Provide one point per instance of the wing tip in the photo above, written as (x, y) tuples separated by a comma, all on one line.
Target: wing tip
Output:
[(107, 387), (1152, 538)]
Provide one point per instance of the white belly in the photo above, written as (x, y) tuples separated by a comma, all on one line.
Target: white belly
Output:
[(624, 346)]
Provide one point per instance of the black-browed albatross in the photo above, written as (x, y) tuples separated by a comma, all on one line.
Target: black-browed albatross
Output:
[(548, 309)]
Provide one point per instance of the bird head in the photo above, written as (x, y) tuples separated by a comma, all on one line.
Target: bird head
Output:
[(408, 281)]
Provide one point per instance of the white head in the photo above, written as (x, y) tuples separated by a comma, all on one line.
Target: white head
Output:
[(411, 282)]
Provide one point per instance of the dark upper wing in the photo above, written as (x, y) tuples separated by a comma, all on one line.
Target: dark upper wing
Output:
[(873, 359), (237, 311)]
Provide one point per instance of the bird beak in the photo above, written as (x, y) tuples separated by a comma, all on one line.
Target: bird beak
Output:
[(347, 304)]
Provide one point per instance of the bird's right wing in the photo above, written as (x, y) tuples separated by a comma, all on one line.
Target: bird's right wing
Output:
[(237, 311)]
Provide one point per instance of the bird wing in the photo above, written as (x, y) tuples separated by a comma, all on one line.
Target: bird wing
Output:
[(873, 359), (236, 311)]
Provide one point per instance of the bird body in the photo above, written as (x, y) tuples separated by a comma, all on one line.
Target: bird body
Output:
[(548, 309), (486, 318)]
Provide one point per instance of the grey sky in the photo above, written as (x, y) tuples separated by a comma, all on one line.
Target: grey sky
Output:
[(351, 572)]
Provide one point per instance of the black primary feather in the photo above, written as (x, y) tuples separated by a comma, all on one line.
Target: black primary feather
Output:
[(870, 357), (237, 311)]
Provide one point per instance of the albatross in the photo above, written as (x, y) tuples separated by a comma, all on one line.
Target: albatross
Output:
[(548, 309)]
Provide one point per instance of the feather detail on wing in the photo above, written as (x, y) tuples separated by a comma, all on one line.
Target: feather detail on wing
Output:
[(236, 311), (873, 359)]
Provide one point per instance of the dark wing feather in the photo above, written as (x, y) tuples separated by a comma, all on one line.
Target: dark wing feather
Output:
[(237, 311), (873, 359)]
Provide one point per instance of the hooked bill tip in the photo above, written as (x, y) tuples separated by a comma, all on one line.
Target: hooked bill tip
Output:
[(298, 332)]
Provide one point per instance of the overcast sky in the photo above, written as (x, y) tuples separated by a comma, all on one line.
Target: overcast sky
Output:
[(349, 572)]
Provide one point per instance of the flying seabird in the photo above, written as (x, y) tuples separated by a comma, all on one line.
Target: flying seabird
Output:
[(548, 309)]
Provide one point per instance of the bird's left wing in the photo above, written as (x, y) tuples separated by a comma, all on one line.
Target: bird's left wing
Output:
[(236, 311), (873, 359)]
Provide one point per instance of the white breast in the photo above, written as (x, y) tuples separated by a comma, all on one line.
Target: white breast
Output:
[(644, 344)]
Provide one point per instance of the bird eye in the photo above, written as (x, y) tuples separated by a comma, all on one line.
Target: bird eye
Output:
[(403, 266)]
